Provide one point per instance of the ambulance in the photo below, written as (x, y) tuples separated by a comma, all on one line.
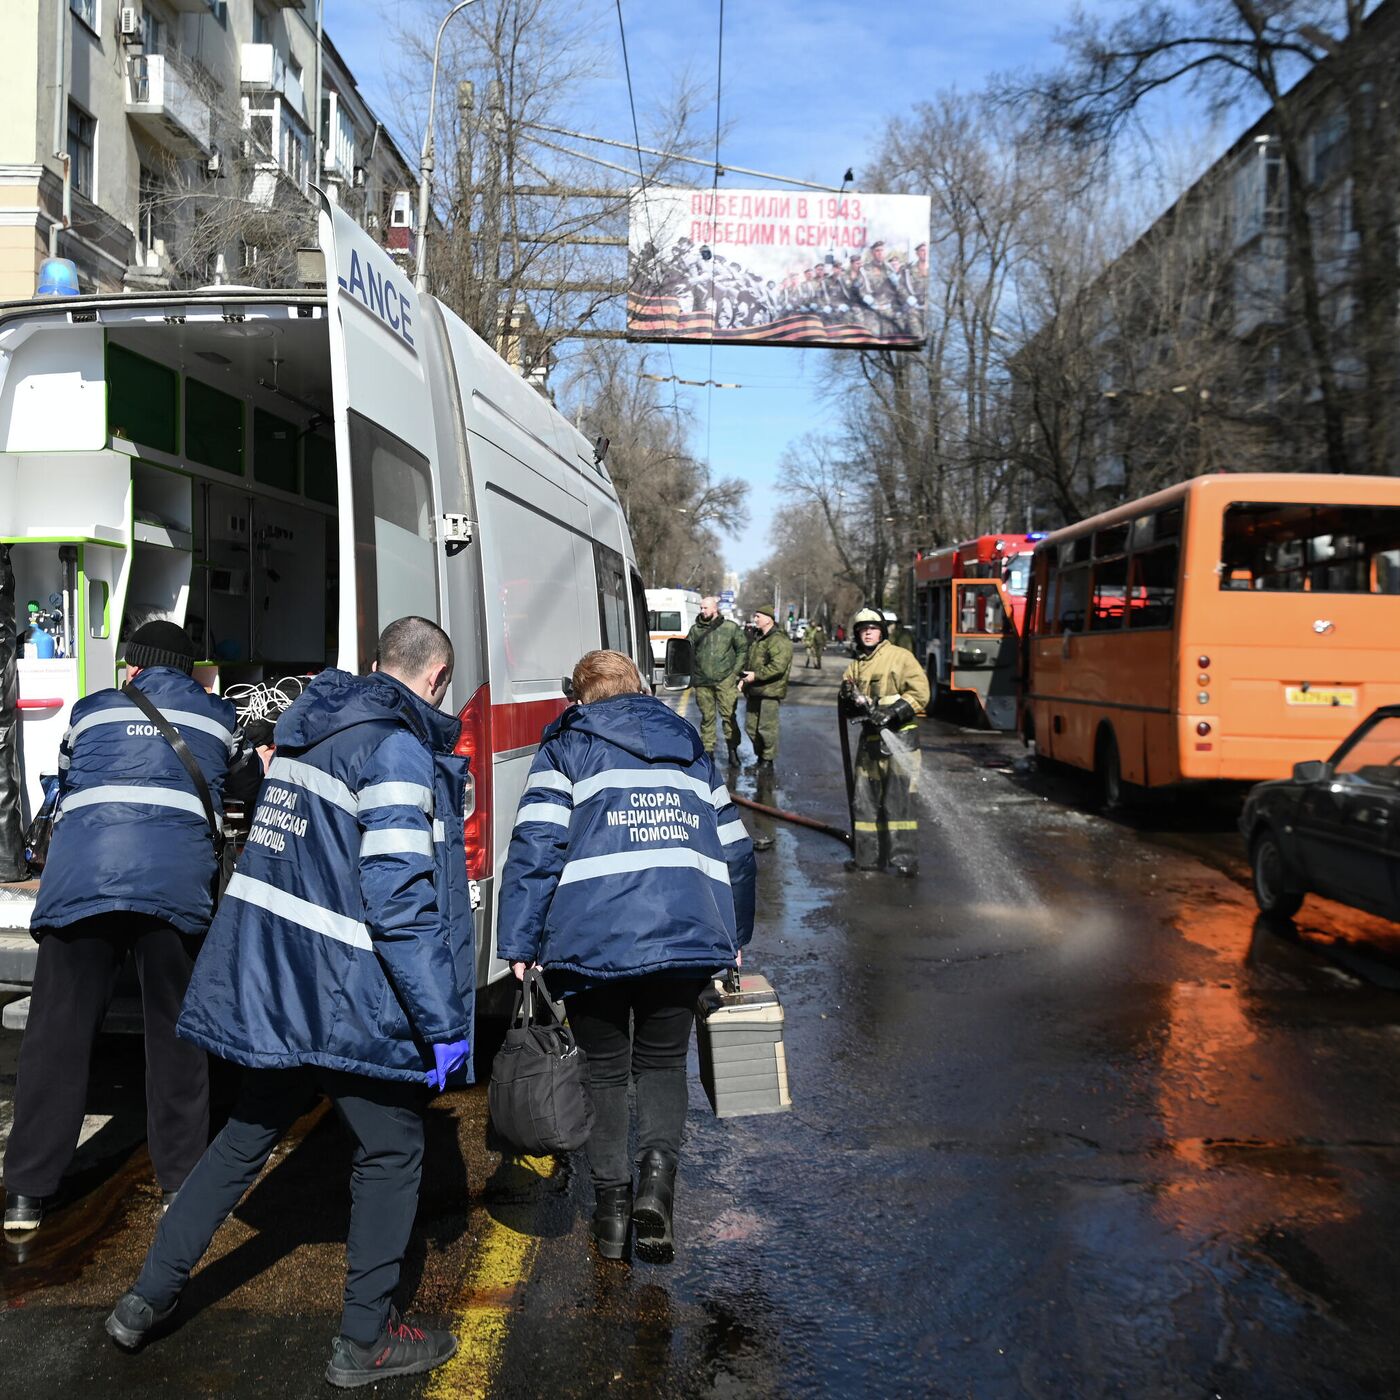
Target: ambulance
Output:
[(284, 473), (671, 613)]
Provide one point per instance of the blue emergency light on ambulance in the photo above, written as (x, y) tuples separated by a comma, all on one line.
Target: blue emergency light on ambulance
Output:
[(58, 277)]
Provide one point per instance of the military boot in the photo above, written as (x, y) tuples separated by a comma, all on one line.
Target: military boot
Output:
[(612, 1219), (656, 1196)]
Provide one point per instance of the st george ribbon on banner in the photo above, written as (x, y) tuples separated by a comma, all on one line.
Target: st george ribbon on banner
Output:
[(767, 267)]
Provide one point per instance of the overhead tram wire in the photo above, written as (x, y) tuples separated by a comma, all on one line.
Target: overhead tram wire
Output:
[(646, 207), (714, 201)]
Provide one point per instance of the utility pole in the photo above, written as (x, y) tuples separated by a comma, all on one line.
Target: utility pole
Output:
[(462, 212), (491, 209)]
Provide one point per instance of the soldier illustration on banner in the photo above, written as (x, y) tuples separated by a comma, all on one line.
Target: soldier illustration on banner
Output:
[(761, 267)]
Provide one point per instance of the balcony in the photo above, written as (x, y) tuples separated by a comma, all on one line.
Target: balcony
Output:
[(164, 102), (263, 69), (340, 150)]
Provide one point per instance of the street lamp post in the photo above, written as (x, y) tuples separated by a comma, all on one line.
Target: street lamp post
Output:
[(425, 163)]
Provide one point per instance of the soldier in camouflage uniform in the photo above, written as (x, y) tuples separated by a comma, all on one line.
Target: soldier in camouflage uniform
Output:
[(765, 684)]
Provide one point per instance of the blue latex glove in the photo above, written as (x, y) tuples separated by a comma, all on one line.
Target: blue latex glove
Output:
[(448, 1059)]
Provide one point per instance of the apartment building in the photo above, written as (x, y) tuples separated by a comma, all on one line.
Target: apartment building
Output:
[(1218, 341), (175, 142)]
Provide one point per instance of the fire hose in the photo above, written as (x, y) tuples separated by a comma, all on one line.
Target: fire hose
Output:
[(784, 814), (796, 817)]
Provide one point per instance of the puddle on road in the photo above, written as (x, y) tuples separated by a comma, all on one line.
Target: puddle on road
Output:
[(70, 1238)]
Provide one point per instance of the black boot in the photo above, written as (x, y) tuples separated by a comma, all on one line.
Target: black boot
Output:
[(612, 1218), (656, 1197)]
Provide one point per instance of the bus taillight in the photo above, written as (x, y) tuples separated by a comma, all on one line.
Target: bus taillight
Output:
[(475, 744)]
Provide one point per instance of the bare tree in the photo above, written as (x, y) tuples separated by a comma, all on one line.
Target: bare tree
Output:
[(922, 451), (676, 510), (242, 206), (1237, 52), (805, 567), (530, 229)]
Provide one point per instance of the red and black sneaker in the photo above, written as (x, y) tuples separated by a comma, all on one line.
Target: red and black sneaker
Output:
[(403, 1350)]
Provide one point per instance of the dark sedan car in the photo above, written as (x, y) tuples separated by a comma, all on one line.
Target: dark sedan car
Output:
[(1333, 828)]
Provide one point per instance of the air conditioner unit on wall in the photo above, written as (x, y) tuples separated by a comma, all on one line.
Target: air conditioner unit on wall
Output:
[(129, 22)]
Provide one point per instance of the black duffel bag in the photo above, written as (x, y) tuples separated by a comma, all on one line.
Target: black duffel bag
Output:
[(539, 1078)]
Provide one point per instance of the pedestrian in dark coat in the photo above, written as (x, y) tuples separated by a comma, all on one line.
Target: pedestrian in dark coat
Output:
[(630, 880), (342, 960), (129, 869)]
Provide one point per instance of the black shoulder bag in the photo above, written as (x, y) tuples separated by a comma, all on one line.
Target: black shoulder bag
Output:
[(538, 1096), (225, 854)]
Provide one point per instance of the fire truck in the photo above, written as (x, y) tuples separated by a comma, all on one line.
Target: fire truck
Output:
[(969, 606)]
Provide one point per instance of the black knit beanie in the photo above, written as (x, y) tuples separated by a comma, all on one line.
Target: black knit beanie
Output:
[(161, 644)]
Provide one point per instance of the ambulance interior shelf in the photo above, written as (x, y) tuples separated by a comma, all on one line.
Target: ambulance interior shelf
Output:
[(158, 584)]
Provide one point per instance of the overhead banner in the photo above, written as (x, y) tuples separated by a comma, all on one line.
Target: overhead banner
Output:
[(763, 267)]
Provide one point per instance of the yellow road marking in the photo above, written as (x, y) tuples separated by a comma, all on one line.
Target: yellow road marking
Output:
[(482, 1311)]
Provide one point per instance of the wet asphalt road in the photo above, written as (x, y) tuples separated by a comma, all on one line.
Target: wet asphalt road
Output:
[(1068, 1120)]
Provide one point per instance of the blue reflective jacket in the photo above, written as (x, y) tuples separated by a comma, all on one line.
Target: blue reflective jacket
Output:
[(131, 833), (346, 937), (628, 856)]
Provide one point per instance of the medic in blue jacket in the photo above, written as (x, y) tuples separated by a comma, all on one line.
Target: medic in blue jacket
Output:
[(630, 880), (342, 959)]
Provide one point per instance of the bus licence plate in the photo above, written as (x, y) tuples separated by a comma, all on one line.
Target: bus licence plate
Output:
[(1320, 695)]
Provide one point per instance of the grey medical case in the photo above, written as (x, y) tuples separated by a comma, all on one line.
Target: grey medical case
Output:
[(743, 1064)]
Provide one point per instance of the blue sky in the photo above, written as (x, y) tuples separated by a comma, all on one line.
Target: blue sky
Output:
[(808, 86)]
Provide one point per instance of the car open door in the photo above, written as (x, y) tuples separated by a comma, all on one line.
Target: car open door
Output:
[(678, 663), (385, 444)]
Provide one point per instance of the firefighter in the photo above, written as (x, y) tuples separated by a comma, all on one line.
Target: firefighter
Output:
[(816, 643), (887, 690), (718, 652), (765, 683), (901, 636)]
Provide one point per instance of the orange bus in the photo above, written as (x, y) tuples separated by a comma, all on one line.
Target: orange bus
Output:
[(1225, 628)]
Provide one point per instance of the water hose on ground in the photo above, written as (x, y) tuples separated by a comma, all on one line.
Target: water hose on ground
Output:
[(796, 817)]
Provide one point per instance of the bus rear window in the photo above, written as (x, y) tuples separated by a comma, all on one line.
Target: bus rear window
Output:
[(1289, 548)]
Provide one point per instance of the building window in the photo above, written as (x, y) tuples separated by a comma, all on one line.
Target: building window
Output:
[(1330, 151), (82, 139), (1260, 192), (86, 10), (152, 33), (262, 26), (292, 156), (152, 210)]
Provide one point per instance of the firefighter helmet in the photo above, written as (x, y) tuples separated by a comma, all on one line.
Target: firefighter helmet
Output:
[(868, 617)]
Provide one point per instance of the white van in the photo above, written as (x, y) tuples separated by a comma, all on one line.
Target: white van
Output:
[(284, 473), (670, 613)]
